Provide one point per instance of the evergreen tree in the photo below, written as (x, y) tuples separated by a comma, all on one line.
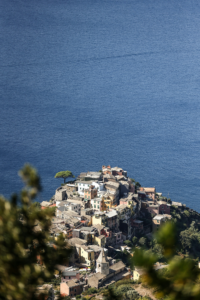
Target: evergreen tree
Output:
[(21, 244)]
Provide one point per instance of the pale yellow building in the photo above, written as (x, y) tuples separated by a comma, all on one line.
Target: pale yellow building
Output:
[(57, 235), (99, 218), (108, 200), (100, 240), (137, 273), (87, 256)]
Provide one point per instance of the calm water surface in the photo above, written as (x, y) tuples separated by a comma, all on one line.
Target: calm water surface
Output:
[(86, 83)]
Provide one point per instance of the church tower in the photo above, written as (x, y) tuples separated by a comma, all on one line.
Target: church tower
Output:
[(102, 266)]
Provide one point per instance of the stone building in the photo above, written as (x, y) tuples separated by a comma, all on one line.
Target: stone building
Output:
[(106, 274), (60, 194), (102, 266)]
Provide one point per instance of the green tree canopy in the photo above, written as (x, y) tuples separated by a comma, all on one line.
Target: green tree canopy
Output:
[(142, 241), (64, 174), (134, 240), (128, 243), (183, 276), (137, 185), (21, 243)]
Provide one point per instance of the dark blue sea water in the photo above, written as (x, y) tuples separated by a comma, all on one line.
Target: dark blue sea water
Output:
[(86, 83)]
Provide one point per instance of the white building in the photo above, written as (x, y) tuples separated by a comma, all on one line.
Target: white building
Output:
[(70, 206), (96, 203), (83, 185), (99, 185), (75, 207)]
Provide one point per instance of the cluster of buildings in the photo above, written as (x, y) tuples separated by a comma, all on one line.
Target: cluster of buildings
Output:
[(96, 213)]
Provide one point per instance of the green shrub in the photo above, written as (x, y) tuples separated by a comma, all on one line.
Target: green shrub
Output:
[(128, 243), (134, 240), (123, 281), (186, 213), (90, 291), (142, 241)]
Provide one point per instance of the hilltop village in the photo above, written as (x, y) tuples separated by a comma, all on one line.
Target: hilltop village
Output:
[(100, 213)]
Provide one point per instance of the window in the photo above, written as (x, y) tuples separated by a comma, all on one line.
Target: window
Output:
[(94, 206), (98, 206), (69, 277)]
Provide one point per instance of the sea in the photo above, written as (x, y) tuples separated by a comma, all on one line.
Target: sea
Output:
[(86, 83)]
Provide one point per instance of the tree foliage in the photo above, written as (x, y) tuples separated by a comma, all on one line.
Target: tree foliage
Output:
[(190, 239), (21, 244), (134, 240), (90, 291), (188, 227), (64, 175), (137, 184), (142, 241), (183, 276), (128, 243)]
